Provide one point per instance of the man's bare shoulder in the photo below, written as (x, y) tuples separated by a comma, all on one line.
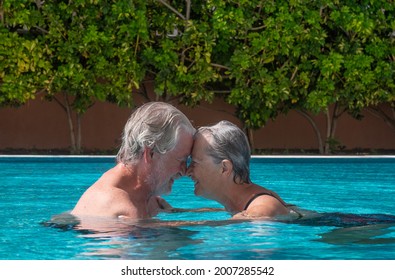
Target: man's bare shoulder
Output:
[(103, 200)]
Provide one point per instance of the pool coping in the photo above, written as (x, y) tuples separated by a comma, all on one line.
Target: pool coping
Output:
[(253, 156)]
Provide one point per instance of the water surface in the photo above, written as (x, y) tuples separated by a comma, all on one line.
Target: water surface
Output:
[(353, 196)]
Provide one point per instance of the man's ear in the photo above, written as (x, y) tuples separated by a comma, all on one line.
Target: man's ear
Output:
[(148, 154), (227, 167)]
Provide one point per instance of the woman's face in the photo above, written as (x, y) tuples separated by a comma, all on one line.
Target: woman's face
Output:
[(203, 171)]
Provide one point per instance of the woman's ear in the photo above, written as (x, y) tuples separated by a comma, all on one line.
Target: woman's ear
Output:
[(227, 167)]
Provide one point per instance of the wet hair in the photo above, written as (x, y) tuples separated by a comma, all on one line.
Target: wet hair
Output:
[(155, 125), (229, 142)]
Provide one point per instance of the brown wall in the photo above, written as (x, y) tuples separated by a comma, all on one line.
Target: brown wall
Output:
[(43, 125)]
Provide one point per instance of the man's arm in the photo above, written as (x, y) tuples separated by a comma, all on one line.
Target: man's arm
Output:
[(161, 205)]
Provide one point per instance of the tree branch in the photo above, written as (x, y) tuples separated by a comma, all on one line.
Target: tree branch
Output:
[(173, 9), (42, 30), (39, 3), (257, 28), (219, 66), (379, 113), (212, 64), (24, 30), (315, 128), (60, 103), (1, 15), (338, 115), (188, 11), (294, 73)]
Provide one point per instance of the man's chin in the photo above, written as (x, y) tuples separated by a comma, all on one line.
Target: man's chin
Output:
[(167, 192), (167, 188)]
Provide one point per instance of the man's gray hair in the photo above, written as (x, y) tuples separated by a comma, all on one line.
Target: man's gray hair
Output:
[(229, 142), (155, 125)]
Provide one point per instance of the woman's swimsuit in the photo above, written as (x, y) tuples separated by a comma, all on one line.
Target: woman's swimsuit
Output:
[(264, 193), (276, 197)]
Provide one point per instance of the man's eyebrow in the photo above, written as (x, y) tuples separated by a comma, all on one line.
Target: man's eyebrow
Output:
[(183, 158)]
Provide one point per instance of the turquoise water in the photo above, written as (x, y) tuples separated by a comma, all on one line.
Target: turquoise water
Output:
[(34, 189)]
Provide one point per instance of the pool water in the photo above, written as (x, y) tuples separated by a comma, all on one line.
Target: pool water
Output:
[(355, 197)]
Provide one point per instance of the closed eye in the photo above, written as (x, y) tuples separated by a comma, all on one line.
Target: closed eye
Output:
[(192, 163), (184, 160)]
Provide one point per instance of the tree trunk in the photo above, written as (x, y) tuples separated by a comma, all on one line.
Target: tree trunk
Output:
[(328, 132), (78, 149), (69, 112), (331, 122), (250, 137), (75, 142), (315, 128)]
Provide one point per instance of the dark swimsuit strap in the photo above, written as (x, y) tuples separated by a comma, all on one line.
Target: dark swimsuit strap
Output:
[(279, 199), (260, 194)]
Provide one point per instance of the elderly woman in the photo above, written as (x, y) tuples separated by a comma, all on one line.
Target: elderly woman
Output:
[(220, 169)]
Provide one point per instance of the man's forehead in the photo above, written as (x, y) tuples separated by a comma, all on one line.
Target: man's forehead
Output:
[(185, 143)]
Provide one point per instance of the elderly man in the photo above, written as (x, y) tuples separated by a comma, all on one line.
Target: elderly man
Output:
[(157, 141)]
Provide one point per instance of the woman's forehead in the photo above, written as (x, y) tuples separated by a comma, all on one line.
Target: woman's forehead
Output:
[(200, 146)]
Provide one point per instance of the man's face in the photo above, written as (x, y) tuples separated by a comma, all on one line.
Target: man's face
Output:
[(173, 164), (203, 170)]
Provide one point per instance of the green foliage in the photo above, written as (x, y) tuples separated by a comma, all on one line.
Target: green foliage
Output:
[(84, 48), (311, 54), (265, 57), (355, 66), (22, 67)]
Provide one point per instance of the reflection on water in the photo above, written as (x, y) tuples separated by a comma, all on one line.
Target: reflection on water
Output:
[(360, 235), (351, 228), (125, 239), (221, 239), (140, 243), (344, 220)]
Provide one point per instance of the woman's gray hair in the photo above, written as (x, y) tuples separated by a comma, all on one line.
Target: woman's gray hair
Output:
[(229, 142), (155, 125)]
